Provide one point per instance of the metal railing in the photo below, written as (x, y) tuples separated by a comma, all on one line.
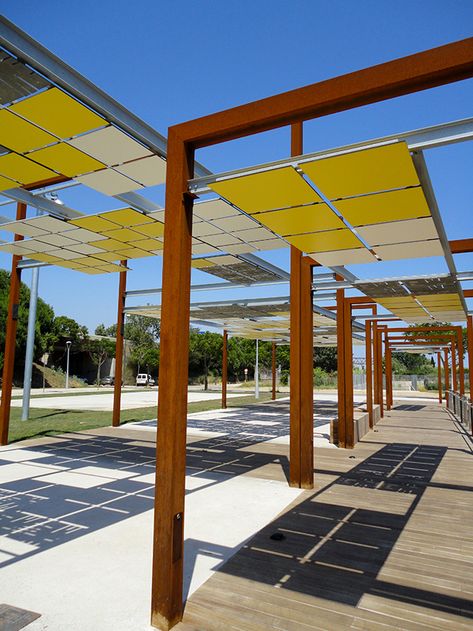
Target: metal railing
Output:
[(461, 408)]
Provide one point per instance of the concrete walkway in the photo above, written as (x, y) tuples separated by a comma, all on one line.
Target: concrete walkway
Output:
[(103, 402)]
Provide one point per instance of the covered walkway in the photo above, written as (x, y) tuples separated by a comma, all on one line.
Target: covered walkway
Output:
[(384, 541)]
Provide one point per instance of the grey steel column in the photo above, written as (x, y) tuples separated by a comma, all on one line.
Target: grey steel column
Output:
[(25, 411), (257, 373)]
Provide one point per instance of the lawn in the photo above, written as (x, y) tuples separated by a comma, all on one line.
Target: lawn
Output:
[(55, 421)]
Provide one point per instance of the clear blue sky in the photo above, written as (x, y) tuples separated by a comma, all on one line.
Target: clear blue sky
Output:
[(173, 61)]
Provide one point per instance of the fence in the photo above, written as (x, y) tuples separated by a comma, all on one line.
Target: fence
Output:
[(461, 408)]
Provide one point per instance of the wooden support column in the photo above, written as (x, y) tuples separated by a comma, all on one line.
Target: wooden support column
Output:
[(469, 325), (348, 375), (454, 367), (379, 343), (341, 365), (307, 376), (369, 371), (439, 378), (167, 569), (301, 456), (273, 371), (460, 352), (117, 386), (388, 371), (447, 372), (375, 364), (224, 368), (10, 336)]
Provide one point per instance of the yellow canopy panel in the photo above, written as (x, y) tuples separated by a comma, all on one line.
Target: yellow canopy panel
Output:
[(268, 190), (365, 171)]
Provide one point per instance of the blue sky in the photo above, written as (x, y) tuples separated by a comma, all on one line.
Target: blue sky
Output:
[(173, 61)]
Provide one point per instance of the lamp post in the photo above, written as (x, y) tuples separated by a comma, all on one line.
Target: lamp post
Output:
[(257, 373), (68, 350)]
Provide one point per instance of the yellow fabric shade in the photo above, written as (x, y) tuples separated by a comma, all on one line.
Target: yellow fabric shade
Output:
[(94, 223), (325, 241), (268, 190), (23, 170), (66, 160), (155, 229), (301, 219), (123, 234), (409, 203), (58, 113), (126, 217), (20, 135), (361, 172)]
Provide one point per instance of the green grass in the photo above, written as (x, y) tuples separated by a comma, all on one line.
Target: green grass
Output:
[(48, 422)]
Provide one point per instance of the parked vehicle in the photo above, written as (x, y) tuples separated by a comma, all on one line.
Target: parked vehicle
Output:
[(143, 379), (107, 381)]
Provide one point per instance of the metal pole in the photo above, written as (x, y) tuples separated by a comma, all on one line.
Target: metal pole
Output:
[(68, 348), (224, 368), (257, 373), (28, 374), (273, 371)]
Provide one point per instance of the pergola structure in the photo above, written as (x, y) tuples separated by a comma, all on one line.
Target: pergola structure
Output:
[(368, 202)]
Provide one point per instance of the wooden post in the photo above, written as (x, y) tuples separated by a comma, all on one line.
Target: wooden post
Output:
[(375, 363), (307, 376), (348, 377), (388, 371), (168, 550), (341, 365), (454, 367), (447, 372), (369, 371), (379, 342), (117, 386), (461, 368), (469, 325), (10, 335), (224, 368), (301, 362), (439, 378), (273, 372)]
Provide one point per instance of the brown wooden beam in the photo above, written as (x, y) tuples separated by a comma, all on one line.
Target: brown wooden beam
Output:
[(461, 366), (379, 342), (10, 336), (461, 246), (307, 376), (224, 368), (469, 329), (117, 385), (273, 371), (388, 371), (341, 340), (369, 371), (468, 293), (168, 553), (447, 372), (348, 373), (421, 71), (454, 367), (439, 378)]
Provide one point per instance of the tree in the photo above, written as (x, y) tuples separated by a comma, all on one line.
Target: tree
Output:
[(99, 351), (205, 352), (44, 321)]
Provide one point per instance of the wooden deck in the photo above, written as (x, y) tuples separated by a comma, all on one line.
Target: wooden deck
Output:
[(384, 542)]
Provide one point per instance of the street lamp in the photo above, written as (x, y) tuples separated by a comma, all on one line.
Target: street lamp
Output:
[(68, 350)]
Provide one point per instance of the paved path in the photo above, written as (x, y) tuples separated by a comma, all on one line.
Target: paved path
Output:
[(104, 402)]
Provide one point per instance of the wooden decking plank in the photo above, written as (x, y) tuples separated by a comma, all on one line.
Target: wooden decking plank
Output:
[(386, 538)]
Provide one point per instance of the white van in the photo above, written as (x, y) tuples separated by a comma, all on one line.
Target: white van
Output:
[(144, 380)]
